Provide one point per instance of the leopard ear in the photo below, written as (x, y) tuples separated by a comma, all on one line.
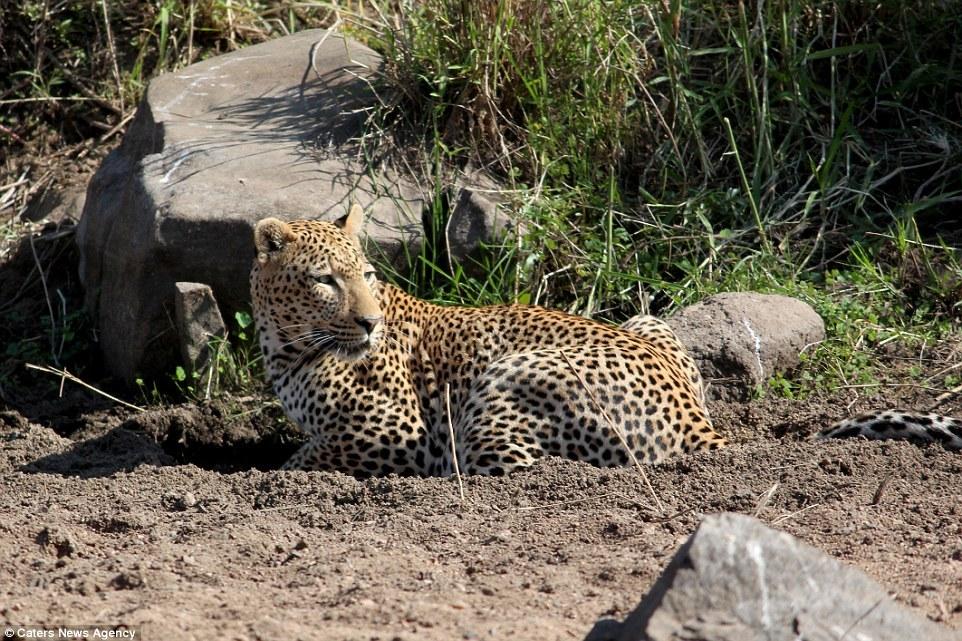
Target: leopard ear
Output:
[(352, 222), (271, 236)]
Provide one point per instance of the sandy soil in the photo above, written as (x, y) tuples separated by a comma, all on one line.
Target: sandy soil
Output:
[(158, 521)]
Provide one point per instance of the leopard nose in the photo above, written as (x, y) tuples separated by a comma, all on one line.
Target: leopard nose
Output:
[(368, 323)]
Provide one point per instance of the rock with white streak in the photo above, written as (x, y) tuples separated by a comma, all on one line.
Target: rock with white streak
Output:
[(737, 580), (740, 340)]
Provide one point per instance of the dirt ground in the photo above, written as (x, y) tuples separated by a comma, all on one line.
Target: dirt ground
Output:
[(158, 521)]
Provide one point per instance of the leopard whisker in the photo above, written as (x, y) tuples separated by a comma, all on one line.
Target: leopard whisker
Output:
[(309, 337)]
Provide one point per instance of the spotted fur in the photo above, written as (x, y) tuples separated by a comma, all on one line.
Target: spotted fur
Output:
[(366, 371), (896, 424)]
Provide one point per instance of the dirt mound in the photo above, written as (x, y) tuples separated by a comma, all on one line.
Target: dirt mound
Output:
[(112, 526)]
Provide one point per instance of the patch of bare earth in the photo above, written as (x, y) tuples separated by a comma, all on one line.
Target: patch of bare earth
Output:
[(113, 527)]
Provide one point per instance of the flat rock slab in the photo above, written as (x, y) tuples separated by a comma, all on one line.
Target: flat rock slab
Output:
[(739, 340), (270, 130), (737, 580)]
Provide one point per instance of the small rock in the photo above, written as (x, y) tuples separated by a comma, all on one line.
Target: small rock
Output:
[(476, 222), (57, 205), (57, 540), (84, 588), (178, 502), (198, 323), (127, 581), (739, 340)]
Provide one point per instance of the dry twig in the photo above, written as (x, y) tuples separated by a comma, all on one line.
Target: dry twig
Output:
[(877, 497), (617, 430), (765, 498), (454, 449), (46, 294), (67, 376), (113, 55)]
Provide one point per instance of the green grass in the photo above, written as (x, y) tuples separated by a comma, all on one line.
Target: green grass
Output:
[(656, 152), (666, 151)]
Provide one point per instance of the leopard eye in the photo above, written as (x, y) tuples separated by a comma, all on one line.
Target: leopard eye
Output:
[(370, 275), (325, 279)]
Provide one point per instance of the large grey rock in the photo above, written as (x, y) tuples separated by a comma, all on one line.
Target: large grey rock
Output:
[(270, 130), (739, 340), (738, 580)]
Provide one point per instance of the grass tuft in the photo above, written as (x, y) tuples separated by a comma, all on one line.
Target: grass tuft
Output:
[(665, 151)]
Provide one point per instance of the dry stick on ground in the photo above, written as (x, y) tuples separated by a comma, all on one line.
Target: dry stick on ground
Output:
[(120, 125), (941, 398), (46, 294), (320, 43), (942, 372), (231, 32), (8, 197), (791, 515), (764, 499), (927, 388), (36, 187), (454, 450), (65, 375), (617, 430), (12, 134), (877, 497), (88, 93), (190, 32)]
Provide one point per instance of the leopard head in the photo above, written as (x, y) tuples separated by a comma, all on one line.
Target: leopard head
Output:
[(312, 285)]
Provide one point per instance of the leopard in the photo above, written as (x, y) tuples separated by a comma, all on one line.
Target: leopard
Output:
[(382, 382), (899, 424)]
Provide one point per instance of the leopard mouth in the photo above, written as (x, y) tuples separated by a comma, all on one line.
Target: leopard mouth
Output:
[(355, 349)]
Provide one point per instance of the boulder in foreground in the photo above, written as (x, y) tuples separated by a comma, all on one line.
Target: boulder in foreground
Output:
[(737, 580)]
